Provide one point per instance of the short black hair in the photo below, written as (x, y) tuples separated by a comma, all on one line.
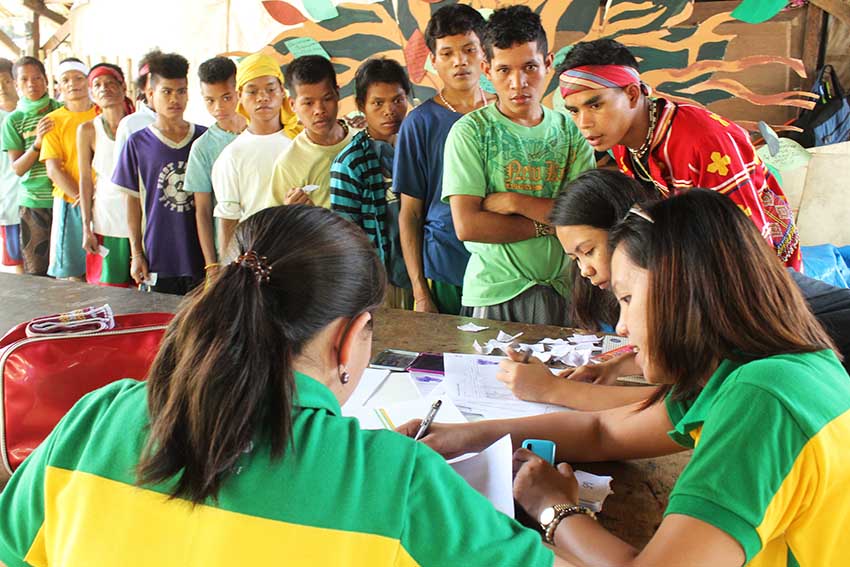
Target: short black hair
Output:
[(455, 19), (115, 68), (308, 70), (598, 52), (217, 70), (142, 80), (168, 66), (514, 25), (5, 65), (27, 60), (378, 70)]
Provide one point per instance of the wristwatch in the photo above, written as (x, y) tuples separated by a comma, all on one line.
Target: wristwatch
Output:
[(550, 518)]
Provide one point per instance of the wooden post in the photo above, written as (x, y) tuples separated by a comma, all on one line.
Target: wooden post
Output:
[(813, 37), (36, 35), (8, 42)]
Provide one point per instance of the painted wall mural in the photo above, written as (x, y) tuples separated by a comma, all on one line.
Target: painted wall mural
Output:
[(677, 59)]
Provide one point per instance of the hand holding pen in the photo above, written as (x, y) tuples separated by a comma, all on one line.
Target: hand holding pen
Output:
[(426, 423)]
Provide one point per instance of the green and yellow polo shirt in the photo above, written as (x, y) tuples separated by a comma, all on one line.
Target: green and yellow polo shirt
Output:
[(338, 496), (771, 461)]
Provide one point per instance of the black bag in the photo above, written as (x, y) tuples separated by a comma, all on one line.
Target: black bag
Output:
[(829, 121)]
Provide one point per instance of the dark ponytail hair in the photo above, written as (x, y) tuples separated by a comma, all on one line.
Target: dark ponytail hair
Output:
[(598, 198), (223, 377)]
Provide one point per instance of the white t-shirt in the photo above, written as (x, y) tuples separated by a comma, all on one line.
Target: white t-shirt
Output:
[(109, 212), (10, 187), (132, 123), (241, 176)]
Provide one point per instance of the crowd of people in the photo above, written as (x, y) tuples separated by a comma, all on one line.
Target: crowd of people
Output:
[(473, 204)]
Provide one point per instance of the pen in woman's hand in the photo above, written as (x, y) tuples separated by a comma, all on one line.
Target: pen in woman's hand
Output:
[(426, 423)]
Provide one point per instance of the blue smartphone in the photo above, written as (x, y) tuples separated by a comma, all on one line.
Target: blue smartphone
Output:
[(542, 448)]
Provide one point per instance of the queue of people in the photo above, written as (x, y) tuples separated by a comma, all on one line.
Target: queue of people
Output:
[(288, 227)]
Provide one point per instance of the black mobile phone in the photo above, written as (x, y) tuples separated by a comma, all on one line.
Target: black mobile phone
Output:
[(428, 363), (393, 359)]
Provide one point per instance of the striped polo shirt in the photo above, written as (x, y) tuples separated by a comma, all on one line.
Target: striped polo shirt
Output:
[(19, 133), (338, 496), (771, 464), (359, 190)]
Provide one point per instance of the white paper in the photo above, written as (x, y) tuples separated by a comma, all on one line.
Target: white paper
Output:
[(309, 188), (593, 489), (372, 379), (471, 327), (103, 251), (503, 337), (470, 380), (390, 416), (579, 338), (490, 472)]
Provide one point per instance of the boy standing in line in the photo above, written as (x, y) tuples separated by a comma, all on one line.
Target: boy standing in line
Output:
[(311, 83), (504, 165), (218, 89), (103, 208), (672, 147), (361, 175), (434, 257), (59, 153), (23, 132), (144, 114), (152, 166), (241, 176), (10, 184)]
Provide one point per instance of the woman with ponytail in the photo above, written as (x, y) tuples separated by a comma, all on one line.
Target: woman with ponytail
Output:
[(234, 452)]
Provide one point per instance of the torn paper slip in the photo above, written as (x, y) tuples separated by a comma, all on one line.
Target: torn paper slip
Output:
[(593, 489), (471, 327), (503, 337)]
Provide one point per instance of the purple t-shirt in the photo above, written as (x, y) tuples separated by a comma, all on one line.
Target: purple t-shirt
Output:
[(154, 162)]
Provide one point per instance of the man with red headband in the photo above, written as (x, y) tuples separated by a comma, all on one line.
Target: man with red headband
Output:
[(672, 147), (104, 210)]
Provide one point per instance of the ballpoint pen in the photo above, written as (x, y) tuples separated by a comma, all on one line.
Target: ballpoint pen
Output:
[(426, 423)]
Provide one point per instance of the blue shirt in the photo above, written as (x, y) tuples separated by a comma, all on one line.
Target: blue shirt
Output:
[(418, 173)]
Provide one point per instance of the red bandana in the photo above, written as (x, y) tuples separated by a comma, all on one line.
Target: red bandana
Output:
[(590, 77)]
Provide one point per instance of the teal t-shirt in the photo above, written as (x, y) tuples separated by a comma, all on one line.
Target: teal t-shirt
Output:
[(488, 153), (202, 156), (19, 134)]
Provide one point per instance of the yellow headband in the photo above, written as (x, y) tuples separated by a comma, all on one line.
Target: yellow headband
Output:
[(261, 65)]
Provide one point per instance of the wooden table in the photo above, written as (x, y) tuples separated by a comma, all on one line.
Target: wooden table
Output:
[(641, 487)]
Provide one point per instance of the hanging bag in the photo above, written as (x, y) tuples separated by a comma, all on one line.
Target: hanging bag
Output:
[(829, 121)]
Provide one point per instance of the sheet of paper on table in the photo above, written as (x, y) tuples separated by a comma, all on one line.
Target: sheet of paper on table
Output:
[(490, 472), (390, 416), (470, 380)]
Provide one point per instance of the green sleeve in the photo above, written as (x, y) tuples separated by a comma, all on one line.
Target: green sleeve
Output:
[(12, 139), (22, 505), (748, 444), (449, 523), (463, 162)]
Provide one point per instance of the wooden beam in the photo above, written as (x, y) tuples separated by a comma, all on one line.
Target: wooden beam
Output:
[(56, 40), (838, 8), (38, 7), (10, 43), (813, 37)]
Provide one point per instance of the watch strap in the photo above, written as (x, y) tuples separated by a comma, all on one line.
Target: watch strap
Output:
[(563, 511)]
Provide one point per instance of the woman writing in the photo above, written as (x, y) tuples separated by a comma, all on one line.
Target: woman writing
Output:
[(583, 215), (233, 452), (748, 378)]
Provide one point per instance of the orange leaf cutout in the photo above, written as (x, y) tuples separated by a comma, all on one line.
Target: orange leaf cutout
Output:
[(415, 52), (284, 12)]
